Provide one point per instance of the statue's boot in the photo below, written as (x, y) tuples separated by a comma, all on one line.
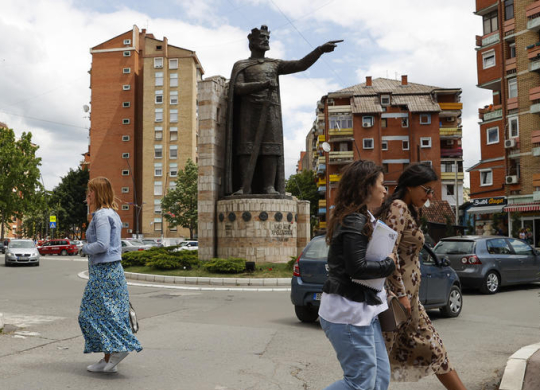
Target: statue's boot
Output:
[(270, 190), (242, 192)]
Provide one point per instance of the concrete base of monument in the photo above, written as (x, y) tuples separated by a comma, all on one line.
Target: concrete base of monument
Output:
[(260, 229)]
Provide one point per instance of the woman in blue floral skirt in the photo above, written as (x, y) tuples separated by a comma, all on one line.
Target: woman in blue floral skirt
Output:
[(104, 313)]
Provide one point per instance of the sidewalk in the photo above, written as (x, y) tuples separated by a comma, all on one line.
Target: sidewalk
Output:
[(522, 370)]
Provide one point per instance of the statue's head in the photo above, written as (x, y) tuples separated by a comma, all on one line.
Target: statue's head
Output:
[(259, 39)]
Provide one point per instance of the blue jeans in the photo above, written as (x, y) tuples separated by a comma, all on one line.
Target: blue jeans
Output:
[(362, 355)]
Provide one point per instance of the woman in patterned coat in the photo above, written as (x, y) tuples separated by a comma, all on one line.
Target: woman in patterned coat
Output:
[(416, 349), (104, 313)]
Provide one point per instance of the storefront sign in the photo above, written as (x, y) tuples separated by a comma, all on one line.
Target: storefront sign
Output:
[(497, 201)]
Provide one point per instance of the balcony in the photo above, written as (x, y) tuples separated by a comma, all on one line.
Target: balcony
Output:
[(490, 39), (532, 11), (535, 108), (341, 157), (490, 114), (321, 190), (450, 131), (451, 106), (534, 66), (536, 196), (322, 202), (322, 211), (338, 132), (321, 160), (322, 225), (335, 178), (533, 51), (321, 169), (321, 182), (451, 176), (458, 152)]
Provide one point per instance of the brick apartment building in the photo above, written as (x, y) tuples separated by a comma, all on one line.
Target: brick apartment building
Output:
[(393, 123), (507, 178), (143, 124)]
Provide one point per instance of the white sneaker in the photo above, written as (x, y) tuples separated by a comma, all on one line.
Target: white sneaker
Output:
[(116, 357), (100, 367)]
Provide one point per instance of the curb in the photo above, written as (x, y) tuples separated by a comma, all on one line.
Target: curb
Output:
[(1, 322), (205, 284), (516, 367)]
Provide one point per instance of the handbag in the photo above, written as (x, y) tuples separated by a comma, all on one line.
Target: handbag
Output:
[(133, 319), (393, 317)]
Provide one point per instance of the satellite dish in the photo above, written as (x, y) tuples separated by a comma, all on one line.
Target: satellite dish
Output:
[(326, 146), (86, 108)]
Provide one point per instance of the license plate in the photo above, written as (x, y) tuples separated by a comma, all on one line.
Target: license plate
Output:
[(317, 296)]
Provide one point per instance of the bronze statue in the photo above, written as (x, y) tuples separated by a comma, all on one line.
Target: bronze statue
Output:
[(254, 140)]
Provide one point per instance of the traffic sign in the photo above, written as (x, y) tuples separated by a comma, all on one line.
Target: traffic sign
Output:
[(52, 218), (52, 225)]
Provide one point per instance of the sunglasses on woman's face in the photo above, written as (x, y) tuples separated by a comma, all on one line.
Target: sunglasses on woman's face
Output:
[(429, 191)]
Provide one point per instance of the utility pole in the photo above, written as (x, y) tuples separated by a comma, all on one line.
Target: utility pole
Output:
[(456, 191)]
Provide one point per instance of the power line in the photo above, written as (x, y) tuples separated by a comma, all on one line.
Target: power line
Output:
[(43, 120)]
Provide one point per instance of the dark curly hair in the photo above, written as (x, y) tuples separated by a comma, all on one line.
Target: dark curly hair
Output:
[(413, 176), (353, 192)]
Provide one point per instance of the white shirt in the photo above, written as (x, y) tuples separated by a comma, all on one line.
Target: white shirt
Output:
[(340, 310)]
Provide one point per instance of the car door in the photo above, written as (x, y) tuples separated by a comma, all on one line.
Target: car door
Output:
[(529, 267), (504, 259), (46, 248), (434, 281)]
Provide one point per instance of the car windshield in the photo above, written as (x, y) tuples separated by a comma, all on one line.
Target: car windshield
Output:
[(21, 244), (454, 247), (136, 242), (317, 250)]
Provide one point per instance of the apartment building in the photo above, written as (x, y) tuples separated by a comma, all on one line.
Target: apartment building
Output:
[(143, 124), (394, 123), (507, 178)]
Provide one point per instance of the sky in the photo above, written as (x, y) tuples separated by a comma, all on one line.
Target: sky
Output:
[(45, 57)]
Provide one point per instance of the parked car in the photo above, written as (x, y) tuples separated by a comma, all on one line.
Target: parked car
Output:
[(2, 248), (133, 245), (489, 262), (21, 252), (188, 246), (440, 287), (79, 245), (152, 241), (61, 247)]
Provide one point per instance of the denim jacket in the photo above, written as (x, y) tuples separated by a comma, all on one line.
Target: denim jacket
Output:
[(103, 235)]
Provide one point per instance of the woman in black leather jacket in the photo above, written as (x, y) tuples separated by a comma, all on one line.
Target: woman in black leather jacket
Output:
[(349, 310)]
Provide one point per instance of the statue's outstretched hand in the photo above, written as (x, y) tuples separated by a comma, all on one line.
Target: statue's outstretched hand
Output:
[(330, 46)]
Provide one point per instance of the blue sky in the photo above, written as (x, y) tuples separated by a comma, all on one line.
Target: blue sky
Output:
[(45, 56)]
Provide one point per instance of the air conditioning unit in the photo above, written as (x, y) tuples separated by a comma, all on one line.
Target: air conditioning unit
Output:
[(511, 179), (130, 231), (367, 124), (509, 143)]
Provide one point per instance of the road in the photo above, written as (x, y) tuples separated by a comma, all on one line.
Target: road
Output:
[(223, 340)]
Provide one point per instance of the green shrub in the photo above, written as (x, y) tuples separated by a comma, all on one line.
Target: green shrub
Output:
[(226, 266), (290, 263), (173, 260), (135, 258)]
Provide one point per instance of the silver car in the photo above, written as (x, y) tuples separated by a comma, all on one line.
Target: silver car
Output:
[(134, 245), (489, 262), (21, 252)]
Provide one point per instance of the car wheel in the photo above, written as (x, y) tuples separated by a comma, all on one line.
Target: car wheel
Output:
[(306, 314), (491, 283), (64, 252), (454, 303)]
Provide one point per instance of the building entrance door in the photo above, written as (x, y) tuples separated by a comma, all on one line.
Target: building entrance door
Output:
[(533, 223)]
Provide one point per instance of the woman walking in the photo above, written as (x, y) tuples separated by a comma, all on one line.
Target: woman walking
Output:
[(416, 349), (104, 313), (349, 310)]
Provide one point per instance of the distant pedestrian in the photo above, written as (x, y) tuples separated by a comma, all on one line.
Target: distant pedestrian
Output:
[(104, 312), (349, 311), (522, 234), (529, 236)]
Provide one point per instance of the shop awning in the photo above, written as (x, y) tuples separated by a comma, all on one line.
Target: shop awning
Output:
[(523, 207), (485, 209)]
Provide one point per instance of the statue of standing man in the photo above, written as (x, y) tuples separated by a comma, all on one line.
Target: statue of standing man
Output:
[(254, 141)]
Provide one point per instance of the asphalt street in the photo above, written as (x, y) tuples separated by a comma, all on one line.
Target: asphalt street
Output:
[(219, 340)]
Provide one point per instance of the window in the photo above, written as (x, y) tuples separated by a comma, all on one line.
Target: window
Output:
[(157, 206), (125, 155), (384, 145), (488, 59), (159, 97), (173, 63), (384, 123), (158, 133), (368, 143), (125, 138), (126, 87), (367, 121), (126, 104), (173, 79), (159, 114), (127, 41), (513, 126), (425, 119), (385, 100), (492, 135), (486, 177), (521, 248), (498, 246), (159, 47), (126, 70), (173, 131), (173, 151), (173, 169), (125, 190), (450, 189), (405, 122), (159, 79), (173, 116), (343, 121), (512, 88), (172, 185), (125, 121), (405, 145), (158, 188), (158, 169), (125, 225), (512, 50), (125, 172), (174, 97), (425, 142), (157, 224), (508, 9), (158, 62), (125, 207), (490, 23), (127, 54), (158, 151)]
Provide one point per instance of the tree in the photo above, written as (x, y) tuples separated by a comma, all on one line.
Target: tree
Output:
[(179, 206), (303, 185), (19, 175)]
